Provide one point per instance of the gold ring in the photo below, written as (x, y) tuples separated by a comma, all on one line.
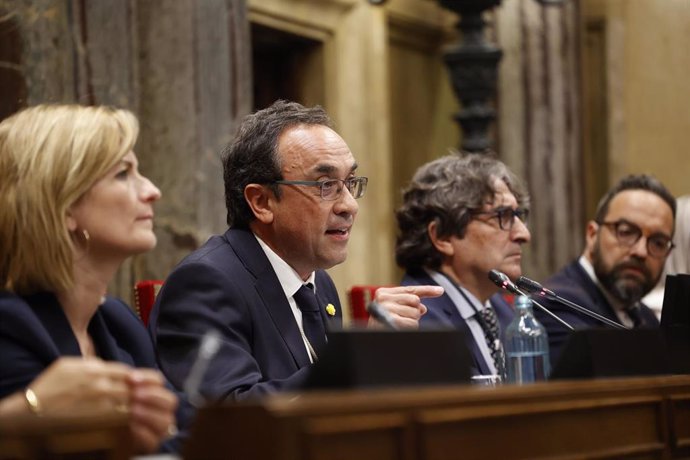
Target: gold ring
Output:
[(32, 401), (172, 430), (122, 408)]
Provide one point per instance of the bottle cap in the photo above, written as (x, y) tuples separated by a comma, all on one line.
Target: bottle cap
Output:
[(523, 301)]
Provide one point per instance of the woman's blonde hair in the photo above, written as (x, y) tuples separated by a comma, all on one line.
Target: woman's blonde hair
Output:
[(50, 156)]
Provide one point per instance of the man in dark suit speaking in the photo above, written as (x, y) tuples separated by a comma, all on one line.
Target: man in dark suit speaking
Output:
[(290, 191), (626, 246)]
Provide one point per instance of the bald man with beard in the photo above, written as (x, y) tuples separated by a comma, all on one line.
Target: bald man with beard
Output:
[(626, 247)]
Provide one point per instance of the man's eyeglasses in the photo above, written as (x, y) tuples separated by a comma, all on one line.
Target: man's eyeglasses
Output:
[(628, 234), (506, 216), (331, 188)]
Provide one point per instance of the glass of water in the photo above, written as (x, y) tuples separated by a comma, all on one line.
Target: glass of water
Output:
[(491, 380)]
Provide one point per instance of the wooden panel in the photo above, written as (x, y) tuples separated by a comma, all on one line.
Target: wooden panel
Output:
[(648, 110), (419, 89), (577, 419), (595, 152), (680, 424), (379, 436), (536, 431), (73, 436)]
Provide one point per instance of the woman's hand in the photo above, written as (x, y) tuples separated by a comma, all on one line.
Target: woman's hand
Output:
[(152, 409), (72, 384)]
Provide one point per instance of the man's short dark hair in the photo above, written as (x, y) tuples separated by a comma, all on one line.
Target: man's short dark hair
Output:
[(447, 191), (635, 182), (252, 156)]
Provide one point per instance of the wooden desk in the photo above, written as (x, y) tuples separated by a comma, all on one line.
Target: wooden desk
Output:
[(93, 436), (636, 417)]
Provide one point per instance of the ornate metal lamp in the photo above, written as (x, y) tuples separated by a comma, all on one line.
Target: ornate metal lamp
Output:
[(473, 67)]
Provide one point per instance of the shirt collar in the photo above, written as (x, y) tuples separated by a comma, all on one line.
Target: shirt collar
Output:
[(288, 278), (451, 290)]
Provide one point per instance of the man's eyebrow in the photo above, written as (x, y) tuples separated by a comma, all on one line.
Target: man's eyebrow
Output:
[(329, 169), (662, 234), (623, 220)]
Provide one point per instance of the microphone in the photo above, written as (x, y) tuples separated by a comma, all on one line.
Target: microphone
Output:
[(381, 315), (501, 280), (536, 288), (210, 344)]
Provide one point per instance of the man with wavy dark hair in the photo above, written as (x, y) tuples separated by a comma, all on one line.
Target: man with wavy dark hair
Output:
[(462, 217), (625, 249)]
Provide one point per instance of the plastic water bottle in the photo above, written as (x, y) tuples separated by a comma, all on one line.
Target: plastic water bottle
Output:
[(526, 345)]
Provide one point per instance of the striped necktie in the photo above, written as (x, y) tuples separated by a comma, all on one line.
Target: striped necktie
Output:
[(492, 335)]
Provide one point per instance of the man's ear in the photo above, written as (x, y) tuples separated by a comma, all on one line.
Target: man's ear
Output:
[(442, 244), (591, 233), (260, 199)]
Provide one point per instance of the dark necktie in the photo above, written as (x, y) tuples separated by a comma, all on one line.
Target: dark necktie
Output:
[(492, 335), (312, 323), (635, 315)]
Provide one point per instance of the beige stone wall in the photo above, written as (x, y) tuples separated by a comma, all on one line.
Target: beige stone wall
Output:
[(648, 64)]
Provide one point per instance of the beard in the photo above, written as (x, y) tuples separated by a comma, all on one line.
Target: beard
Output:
[(625, 289)]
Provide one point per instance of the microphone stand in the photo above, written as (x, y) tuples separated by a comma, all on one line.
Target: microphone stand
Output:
[(210, 344), (550, 313), (381, 315), (536, 288)]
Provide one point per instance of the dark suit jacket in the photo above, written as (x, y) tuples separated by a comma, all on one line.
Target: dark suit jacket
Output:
[(229, 285), (442, 311), (573, 283), (34, 332)]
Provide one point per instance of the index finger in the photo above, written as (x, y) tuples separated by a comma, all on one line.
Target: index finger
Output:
[(145, 376), (96, 367), (420, 291)]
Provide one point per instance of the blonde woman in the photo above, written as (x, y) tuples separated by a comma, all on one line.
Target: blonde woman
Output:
[(73, 207)]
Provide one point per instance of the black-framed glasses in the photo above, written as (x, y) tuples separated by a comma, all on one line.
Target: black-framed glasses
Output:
[(331, 188), (506, 216), (628, 234)]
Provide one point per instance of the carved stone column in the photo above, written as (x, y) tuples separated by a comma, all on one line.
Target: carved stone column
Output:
[(473, 67)]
